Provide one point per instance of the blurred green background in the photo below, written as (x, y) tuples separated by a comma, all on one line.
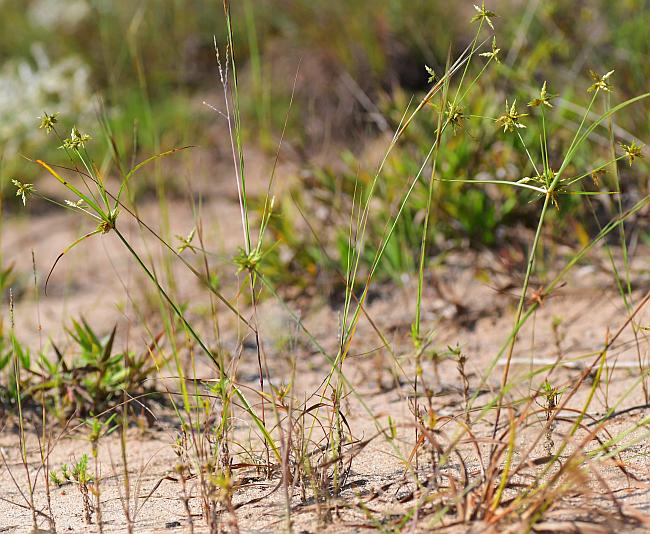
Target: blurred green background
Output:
[(151, 63), (149, 60)]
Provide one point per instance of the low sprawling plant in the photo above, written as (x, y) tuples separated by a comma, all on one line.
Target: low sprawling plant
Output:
[(87, 378)]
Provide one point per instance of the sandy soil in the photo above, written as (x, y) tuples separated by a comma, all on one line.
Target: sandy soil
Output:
[(99, 281)]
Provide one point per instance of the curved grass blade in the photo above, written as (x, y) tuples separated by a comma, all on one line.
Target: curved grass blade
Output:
[(66, 250), (89, 201), (146, 162)]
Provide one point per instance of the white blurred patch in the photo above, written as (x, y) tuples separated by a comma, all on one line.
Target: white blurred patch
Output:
[(30, 87), (65, 15)]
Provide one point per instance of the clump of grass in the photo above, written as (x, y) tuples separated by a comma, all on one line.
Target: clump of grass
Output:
[(455, 470)]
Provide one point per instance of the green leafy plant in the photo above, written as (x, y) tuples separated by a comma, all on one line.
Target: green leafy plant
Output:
[(79, 475), (91, 379)]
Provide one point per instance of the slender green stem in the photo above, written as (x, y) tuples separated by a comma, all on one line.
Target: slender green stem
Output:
[(247, 406), (522, 300)]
